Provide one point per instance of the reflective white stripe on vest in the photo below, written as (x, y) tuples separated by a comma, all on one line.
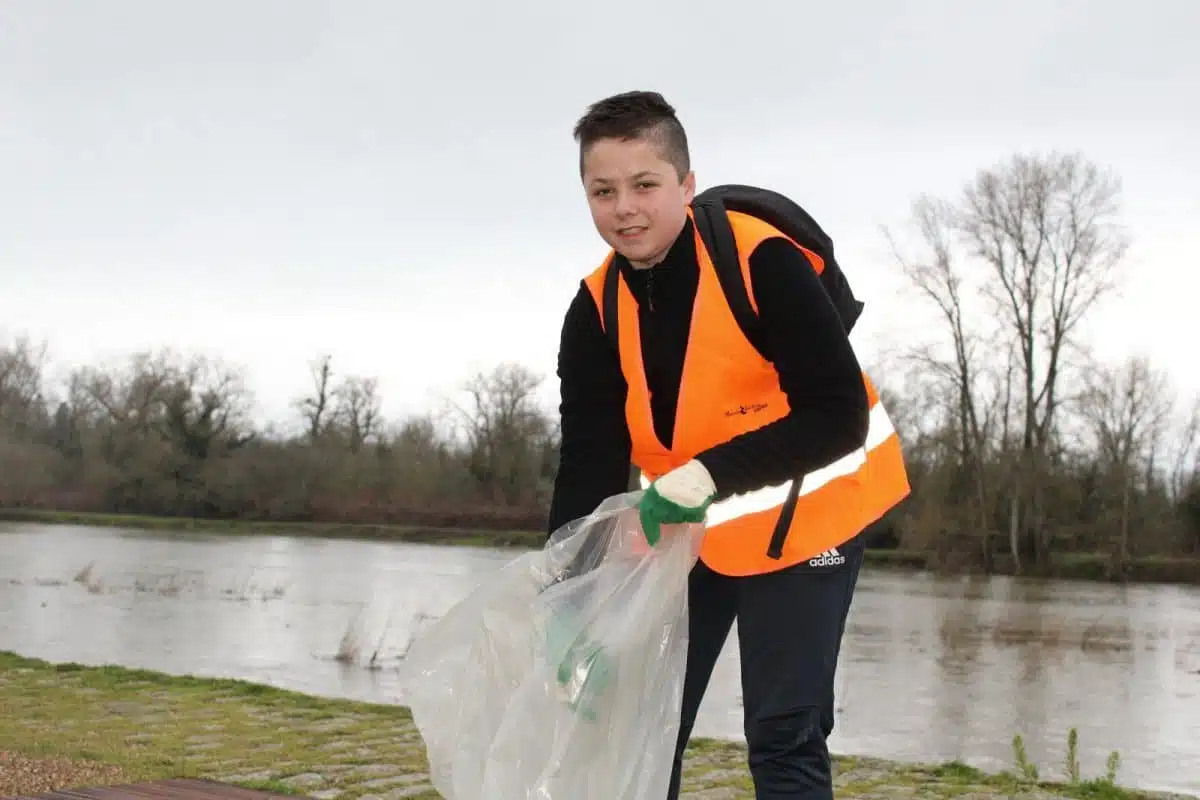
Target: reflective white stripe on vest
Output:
[(769, 497)]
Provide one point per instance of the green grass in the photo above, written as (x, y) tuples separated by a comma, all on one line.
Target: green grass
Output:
[(156, 726), (153, 726)]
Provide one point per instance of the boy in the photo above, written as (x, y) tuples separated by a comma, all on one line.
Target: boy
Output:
[(729, 445)]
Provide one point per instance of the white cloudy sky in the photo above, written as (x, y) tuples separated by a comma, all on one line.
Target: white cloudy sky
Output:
[(394, 183)]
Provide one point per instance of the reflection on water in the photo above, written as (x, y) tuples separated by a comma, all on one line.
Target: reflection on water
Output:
[(931, 669)]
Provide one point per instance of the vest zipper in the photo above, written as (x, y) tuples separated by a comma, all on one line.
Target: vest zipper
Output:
[(650, 287)]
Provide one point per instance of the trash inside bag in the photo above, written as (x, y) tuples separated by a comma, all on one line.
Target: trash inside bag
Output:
[(560, 677)]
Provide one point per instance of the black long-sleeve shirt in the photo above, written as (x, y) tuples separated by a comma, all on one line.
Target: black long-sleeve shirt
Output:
[(801, 331)]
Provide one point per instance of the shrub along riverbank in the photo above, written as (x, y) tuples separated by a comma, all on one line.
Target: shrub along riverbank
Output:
[(68, 725), (1067, 566)]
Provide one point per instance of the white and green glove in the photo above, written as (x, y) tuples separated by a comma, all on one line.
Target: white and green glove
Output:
[(682, 495)]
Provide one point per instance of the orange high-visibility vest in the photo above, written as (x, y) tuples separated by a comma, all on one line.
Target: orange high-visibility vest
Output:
[(727, 389)]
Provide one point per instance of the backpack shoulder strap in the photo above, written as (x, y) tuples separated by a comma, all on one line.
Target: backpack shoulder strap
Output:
[(608, 310), (712, 224)]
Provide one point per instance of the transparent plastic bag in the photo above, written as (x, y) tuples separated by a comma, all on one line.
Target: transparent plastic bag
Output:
[(560, 677)]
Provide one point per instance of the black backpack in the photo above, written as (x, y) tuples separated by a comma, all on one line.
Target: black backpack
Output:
[(789, 218), (780, 212)]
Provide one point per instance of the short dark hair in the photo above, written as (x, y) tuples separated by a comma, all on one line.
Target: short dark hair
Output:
[(635, 115)]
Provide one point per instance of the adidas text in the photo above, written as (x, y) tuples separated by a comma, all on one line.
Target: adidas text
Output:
[(830, 558)]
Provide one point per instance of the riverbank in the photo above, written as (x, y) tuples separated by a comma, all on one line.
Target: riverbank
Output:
[(67, 725), (1067, 566)]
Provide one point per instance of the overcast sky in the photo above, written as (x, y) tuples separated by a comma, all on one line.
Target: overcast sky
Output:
[(394, 183)]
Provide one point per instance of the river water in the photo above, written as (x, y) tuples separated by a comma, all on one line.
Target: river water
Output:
[(932, 668)]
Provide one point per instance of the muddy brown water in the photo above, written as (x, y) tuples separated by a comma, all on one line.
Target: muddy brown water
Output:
[(932, 668)]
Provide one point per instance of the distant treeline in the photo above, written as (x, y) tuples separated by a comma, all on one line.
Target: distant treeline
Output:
[(1023, 451)]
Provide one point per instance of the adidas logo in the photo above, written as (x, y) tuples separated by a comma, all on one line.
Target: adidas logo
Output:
[(830, 558)]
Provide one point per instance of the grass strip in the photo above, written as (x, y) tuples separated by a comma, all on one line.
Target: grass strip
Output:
[(67, 725)]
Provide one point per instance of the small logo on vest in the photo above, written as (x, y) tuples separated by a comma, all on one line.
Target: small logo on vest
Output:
[(743, 410), (830, 558)]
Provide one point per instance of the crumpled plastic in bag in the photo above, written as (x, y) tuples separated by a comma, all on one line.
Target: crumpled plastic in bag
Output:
[(560, 676)]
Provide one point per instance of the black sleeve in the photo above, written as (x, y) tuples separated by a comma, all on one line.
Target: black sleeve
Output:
[(817, 370), (594, 454)]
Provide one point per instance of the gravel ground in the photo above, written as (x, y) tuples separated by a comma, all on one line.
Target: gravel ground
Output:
[(24, 775)]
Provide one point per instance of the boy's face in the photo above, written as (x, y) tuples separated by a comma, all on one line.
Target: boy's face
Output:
[(637, 201)]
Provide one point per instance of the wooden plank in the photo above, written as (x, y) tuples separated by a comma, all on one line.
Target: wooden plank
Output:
[(175, 789)]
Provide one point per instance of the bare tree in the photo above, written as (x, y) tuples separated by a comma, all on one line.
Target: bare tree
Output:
[(1046, 229), (1011, 466), (22, 398), (419, 439), (357, 410), (27, 466), (1184, 478), (314, 406), (1127, 408), (937, 278), (127, 396), (206, 408), (506, 432), (160, 422), (1185, 460)]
